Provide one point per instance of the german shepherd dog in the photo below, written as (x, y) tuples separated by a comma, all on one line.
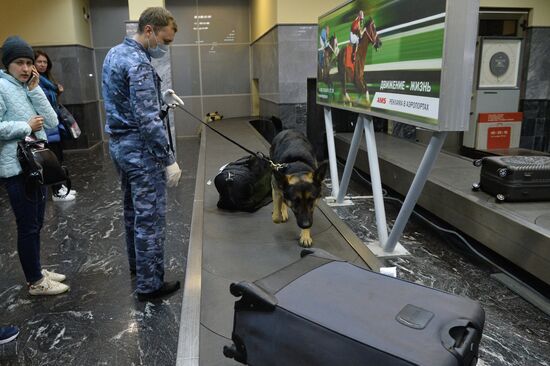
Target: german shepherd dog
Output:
[(297, 181)]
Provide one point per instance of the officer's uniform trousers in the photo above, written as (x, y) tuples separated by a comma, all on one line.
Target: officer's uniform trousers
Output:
[(143, 181)]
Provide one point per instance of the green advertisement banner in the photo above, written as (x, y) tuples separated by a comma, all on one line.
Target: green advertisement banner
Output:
[(383, 56)]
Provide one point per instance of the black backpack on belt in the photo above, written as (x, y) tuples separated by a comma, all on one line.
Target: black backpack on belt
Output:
[(244, 185)]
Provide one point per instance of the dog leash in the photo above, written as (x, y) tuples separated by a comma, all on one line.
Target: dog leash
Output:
[(273, 165), (165, 116)]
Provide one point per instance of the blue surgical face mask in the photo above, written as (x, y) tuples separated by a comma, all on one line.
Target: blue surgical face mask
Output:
[(159, 51)]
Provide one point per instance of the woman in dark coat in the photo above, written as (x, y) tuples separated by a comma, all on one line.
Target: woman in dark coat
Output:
[(52, 90)]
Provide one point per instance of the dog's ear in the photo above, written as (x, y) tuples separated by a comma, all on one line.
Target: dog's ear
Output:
[(320, 172)]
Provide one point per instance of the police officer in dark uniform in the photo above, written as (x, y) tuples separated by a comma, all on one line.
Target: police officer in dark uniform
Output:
[(139, 146)]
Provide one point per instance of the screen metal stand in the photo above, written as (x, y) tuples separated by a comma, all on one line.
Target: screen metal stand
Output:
[(426, 165), (331, 152), (366, 124)]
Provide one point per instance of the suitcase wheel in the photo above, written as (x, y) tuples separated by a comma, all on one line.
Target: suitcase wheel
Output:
[(229, 351), (476, 186), (500, 198), (478, 162), (502, 172), (236, 351), (232, 352)]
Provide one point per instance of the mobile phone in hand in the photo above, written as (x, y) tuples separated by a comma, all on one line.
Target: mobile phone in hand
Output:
[(32, 75)]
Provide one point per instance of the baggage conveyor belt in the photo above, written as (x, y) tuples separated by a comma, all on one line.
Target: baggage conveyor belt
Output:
[(228, 247), (518, 231)]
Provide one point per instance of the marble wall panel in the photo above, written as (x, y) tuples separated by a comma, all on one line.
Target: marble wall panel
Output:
[(185, 124), (535, 128), (184, 13), (538, 143), (108, 17), (185, 70), (228, 105), (297, 61), (293, 91), (66, 71), (100, 54), (536, 88), (225, 69), (538, 77), (266, 65), (228, 21), (294, 116), (73, 67), (527, 142), (283, 59), (268, 109), (88, 76), (87, 116)]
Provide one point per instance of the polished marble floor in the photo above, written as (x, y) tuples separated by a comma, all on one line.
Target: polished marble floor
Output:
[(516, 333), (100, 321)]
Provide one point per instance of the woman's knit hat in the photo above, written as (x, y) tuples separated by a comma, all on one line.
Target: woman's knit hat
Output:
[(15, 47)]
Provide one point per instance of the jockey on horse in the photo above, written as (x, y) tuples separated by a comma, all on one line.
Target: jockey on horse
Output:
[(356, 33), (325, 43), (323, 38), (329, 47), (351, 62)]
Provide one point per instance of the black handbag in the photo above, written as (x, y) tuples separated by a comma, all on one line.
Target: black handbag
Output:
[(244, 185), (69, 123), (40, 165)]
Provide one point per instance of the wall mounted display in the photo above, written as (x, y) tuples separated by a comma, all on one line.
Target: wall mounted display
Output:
[(403, 60), (500, 62)]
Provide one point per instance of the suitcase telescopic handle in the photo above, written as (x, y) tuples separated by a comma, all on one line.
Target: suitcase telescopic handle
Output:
[(458, 336)]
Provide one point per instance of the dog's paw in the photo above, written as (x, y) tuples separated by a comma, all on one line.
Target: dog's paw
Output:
[(277, 219), (284, 215), (305, 239), (306, 242)]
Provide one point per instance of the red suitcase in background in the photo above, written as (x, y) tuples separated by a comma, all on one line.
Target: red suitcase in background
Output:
[(515, 178)]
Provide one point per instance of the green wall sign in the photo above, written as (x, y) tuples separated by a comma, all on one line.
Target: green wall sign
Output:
[(387, 58)]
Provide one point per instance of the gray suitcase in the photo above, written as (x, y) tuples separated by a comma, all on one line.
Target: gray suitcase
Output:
[(323, 311)]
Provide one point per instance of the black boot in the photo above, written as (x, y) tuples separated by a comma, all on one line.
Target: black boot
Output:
[(166, 289)]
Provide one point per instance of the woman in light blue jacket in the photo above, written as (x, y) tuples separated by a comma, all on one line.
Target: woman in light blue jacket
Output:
[(24, 113)]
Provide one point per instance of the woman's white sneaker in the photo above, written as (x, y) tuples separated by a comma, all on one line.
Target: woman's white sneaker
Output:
[(63, 198), (53, 275), (47, 286), (63, 191)]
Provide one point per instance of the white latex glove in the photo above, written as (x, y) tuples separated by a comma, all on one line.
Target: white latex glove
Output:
[(173, 174), (171, 98)]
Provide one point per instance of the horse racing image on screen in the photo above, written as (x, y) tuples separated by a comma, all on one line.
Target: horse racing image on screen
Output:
[(383, 56)]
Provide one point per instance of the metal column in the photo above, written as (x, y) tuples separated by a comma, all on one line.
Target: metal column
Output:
[(366, 123), (331, 152), (426, 165), (376, 181), (350, 161)]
